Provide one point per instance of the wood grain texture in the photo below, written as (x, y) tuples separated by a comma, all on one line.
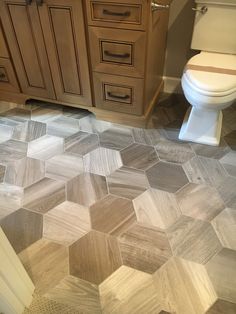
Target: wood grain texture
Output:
[(17, 115), (195, 171), (46, 263), (81, 143), (12, 150), (194, 240), (129, 291), (222, 271), (157, 208), (10, 199), (44, 195), (112, 215), (46, 113), (167, 177), (81, 295), (200, 201), (102, 161), (225, 228), (101, 257), (91, 125), (63, 127), (139, 156), (86, 189), (215, 170), (29, 131), (194, 293), (116, 138), (144, 248), (227, 191), (66, 223), (22, 228), (215, 152), (2, 173)]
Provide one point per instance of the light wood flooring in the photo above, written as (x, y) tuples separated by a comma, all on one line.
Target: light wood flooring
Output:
[(109, 219)]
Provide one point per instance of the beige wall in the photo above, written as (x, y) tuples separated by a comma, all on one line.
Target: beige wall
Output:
[(179, 37)]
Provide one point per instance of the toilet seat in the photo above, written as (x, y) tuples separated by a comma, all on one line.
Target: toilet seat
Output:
[(211, 83)]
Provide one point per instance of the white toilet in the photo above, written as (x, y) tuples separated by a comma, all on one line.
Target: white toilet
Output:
[(209, 78)]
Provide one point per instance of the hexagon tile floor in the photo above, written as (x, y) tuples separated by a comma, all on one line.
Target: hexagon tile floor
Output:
[(119, 220)]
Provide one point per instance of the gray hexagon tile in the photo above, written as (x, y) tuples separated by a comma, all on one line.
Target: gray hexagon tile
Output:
[(225, 228), (195, 171), (221, 270), (5, 132), (63, 127), (144, 248), (92, 125), (46, 113), (229, 163), (102, 161), (25, 171), (214, 169), (29, 131), (183, 234), (127, 182), (141, 136), (101, 257), (75, 113), (45, 147), (215, 152), (167, 176), (22, 228), (139, 156), (17, 114), (200, 201), (231, 139), (172, 151), (156, 208), (81, 143), (116, 138), (10, 198), (86, 189), (12, 150), (112, 215), (227, 190), (64, 167), (66, 223)]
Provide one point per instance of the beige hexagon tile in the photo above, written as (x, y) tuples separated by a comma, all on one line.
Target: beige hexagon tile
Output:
[(12, 150), (29, 131), (66, 223), (81, 143), (157, 208), (116, 137)]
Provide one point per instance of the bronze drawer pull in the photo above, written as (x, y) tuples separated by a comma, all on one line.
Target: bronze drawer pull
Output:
[(118, 96), (107, 12), (2, 76), (116, 55)]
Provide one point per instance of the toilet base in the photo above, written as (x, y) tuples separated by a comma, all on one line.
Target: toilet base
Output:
[(202, 126)]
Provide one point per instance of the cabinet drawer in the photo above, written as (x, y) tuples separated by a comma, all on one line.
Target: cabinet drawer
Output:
[(123, 15), (8, 81), (118, 93), (117, 51), (3, 47)]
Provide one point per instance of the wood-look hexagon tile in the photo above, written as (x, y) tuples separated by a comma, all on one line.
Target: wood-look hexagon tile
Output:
[(45, 147), (112, 215), (166, 176), (141, 136), (102, 161), (193, 240), (173, 151), (17, 114), (24, 172), (127, 182), (116, 138), (86, 189), (200, 201), (157, 208), (10, 199), (227, 191), (75, 113), (225, 228), (2, 173), (92, 125), (29, 131), (66, 223), (46, 263), (101, 257), (5, 133), (12, 150), (144, 248), (229, 163), (222, 307), (195, 171), (44, 195), (184, 287), (156, 135), (130, 291), (63, 127), (81, 143), (83, 296), (64, 167), (45, 114), (231, 139), (214, 169), (22, 228), (172, 130), (139, 156), (215, 152), (222, 272)]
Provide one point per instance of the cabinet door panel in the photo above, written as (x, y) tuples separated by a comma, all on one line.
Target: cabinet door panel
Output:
[(24, 35), (64, 33)]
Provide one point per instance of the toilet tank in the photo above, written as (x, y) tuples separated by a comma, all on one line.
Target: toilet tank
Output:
[(216, 29)]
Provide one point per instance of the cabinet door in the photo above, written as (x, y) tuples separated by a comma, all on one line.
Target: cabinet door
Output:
[(25, 39), (64, 32)]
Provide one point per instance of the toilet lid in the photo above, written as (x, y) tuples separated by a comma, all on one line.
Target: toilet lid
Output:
[(210, 81)]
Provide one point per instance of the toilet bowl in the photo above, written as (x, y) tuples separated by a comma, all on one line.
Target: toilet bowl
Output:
[(209, 85)]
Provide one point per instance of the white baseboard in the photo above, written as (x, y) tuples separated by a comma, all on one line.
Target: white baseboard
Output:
[(172, 85)]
